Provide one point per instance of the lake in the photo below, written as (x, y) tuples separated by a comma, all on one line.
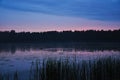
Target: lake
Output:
[(19, 57)]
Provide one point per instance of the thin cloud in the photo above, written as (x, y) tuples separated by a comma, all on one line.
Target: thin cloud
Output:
[(90, 9)]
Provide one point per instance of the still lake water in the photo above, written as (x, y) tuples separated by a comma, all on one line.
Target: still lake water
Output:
[(18, 57)]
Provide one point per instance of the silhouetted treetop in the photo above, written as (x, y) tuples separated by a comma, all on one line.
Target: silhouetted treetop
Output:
[(63, 36)]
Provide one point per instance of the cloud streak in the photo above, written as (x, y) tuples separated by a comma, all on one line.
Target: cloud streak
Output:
[(108, 10)]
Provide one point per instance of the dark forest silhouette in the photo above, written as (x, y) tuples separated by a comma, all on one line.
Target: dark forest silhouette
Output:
[(63, 36)]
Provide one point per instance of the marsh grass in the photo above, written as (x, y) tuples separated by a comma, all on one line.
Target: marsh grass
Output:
[(59, 69)]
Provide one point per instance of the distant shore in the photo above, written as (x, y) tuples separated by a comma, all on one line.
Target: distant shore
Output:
[(64, 36)]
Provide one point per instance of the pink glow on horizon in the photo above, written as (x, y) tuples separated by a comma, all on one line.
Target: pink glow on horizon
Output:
[(78, 28), (55, 23)]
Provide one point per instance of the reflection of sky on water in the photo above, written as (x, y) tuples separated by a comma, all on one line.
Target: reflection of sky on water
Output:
[(21, 57), (53, 47)]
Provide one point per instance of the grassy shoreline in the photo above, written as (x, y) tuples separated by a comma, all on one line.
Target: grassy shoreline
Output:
[(58, 69)]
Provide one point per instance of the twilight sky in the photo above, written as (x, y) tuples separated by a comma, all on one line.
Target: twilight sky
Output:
[(47, 15)]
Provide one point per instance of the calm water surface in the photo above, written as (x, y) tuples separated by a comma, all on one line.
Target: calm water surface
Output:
[(18, 57)]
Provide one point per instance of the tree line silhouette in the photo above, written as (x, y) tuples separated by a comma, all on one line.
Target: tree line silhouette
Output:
[(63, 36)]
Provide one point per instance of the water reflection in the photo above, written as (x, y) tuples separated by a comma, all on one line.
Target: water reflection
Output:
[(55, 47), (19, 56)]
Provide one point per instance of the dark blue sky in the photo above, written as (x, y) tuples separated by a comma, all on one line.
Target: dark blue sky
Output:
[(44, 15)]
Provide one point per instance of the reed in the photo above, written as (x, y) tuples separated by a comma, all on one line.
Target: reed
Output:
[(59, 69)]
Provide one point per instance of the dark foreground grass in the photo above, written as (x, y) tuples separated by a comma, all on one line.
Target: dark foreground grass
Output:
[(54, 69)]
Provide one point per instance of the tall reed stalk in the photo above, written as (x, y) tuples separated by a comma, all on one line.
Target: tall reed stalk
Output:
[(59, 69)]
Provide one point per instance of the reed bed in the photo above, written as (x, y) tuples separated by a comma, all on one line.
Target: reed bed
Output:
[(59, 69)]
